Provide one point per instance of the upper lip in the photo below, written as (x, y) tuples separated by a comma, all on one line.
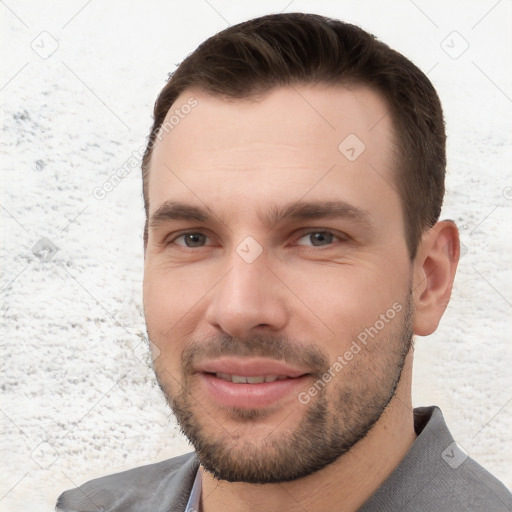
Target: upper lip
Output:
[(250, 367)]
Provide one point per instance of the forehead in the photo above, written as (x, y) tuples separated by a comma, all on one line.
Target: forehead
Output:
[(276, 145)]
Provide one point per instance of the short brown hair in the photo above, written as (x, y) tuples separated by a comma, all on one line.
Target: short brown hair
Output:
[(277, 50)]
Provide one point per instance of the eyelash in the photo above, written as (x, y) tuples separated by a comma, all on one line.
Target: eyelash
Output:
[(341, 237)]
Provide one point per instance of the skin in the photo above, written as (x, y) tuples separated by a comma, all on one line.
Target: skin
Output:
[(241, 159)]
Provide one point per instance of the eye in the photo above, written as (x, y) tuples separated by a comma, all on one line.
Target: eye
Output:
[(190, 240), (318, 239)]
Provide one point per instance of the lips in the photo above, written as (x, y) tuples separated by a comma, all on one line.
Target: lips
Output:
[(251, 367), (250, 383)]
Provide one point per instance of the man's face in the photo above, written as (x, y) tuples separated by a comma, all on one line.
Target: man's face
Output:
[(276, 253)]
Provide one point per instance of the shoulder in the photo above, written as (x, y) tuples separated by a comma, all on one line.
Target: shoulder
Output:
[(437, 475), (457, 482), (156, 487), (468, 487), (476, 489)]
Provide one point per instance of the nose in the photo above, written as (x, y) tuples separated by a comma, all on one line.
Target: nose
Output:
[(248, 298)]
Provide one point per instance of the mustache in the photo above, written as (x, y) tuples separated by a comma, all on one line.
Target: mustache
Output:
[(258, 345)]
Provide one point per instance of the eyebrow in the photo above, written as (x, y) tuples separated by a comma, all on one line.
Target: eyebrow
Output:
[(171, 210), (302, 210), (307, 210)]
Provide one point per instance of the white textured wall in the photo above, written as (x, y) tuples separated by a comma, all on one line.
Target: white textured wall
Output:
[(78, 398)]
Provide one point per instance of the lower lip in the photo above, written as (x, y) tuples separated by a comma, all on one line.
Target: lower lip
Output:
[(250, 396)]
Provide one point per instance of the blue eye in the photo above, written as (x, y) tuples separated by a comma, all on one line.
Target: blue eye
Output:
[(318, 238), (191, 240)]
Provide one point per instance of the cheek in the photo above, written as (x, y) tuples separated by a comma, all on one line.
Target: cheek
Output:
[(164, 310), (171, 293), (345, 298)]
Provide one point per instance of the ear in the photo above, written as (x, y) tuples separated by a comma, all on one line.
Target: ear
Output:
[(434, 271)]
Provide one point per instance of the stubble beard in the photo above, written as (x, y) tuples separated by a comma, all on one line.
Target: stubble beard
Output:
[(338, 417)]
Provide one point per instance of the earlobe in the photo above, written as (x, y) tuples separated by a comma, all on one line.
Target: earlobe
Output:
[(434, 271)]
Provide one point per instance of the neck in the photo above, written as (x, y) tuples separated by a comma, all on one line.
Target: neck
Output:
[(344, 485)]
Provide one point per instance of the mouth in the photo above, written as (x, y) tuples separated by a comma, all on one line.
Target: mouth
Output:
[(250, 383)]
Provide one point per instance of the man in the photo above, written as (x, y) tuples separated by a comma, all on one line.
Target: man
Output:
[(293, 182)]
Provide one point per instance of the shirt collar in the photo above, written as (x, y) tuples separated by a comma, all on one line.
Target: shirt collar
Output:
[(193, 503)]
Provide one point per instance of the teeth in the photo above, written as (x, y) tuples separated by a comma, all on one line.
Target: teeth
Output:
[(256, 380), (241, 379)]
